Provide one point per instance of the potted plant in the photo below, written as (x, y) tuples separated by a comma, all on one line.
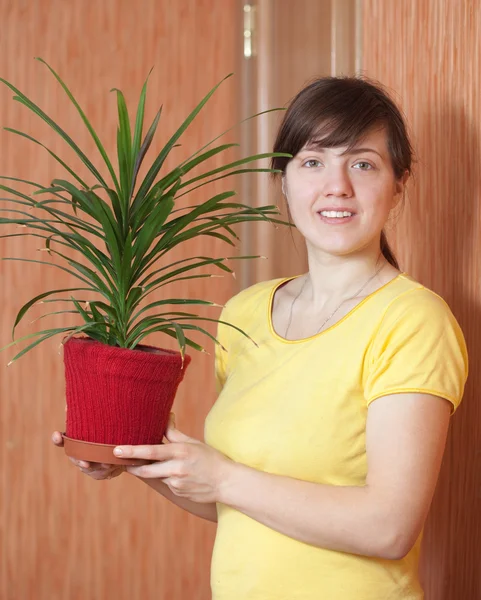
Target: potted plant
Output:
[(114, 236)]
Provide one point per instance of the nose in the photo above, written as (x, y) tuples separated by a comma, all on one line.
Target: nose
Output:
[(336, 182)]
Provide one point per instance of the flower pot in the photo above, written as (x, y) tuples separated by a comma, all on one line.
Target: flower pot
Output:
[(117, 396)]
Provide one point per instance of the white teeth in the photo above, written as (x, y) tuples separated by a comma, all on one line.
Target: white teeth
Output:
[(335, 214)]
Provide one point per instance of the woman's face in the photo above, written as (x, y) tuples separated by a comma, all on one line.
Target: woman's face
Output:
[(341, 202)]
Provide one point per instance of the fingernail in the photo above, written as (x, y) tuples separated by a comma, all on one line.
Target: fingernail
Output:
[(118, 451)]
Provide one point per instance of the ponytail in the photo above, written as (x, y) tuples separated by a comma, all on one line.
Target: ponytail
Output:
[(387, 252)]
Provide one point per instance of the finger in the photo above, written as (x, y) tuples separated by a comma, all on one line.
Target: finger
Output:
[(57, 438), (158, 452), (98, 474), (174, 435), (157, 470), (81, 463)]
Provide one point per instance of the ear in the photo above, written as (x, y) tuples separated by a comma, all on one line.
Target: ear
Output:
[(400, 187)]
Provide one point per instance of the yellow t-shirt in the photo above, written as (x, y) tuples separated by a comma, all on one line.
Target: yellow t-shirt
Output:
[(299, 409)]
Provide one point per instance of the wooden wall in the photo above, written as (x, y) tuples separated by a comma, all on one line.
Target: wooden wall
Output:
[(65, 537), (293, 47), (62, 535), (429, 53)]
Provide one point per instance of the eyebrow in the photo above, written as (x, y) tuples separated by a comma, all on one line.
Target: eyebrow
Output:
[(319, 148)]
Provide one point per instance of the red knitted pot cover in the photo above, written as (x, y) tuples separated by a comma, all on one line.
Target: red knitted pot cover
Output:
[(119, 396)]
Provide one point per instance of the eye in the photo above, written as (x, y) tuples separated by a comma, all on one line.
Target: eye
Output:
[(312, 163), (363, 166)]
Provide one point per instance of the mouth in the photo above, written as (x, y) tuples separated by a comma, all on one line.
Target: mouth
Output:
[(336, 217)]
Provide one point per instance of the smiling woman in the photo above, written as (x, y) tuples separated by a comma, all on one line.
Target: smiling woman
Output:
[(361, 121), (323, 449), (359, 190)]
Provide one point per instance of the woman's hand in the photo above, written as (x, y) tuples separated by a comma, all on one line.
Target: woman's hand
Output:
[(95, 470), (190, 468)]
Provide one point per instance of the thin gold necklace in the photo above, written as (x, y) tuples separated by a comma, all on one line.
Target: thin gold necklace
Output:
[(334, 311)]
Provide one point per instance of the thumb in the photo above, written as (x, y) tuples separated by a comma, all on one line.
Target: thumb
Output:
[(174, 435)]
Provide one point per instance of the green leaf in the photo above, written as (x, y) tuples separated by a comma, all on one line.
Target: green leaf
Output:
[(133, 299), (139, 121), (141, 209), (174, 301), (264, 112), (21, 313), (34, 108), (188, 218), (187, 278), (149, 232), (168, 331), (48, 334), (219, 321), (51, 314), (139, 157), (126, 267), (57, 158), (41, 262), (102, 212), (236, 163), (217, 262), (230, 174), (83, 313), (188, 166), (124, 152), (159, 161), (91, 130)]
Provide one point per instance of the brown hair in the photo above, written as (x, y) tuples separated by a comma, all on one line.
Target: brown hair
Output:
[(339, 111)]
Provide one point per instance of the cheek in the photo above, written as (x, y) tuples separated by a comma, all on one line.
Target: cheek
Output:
[(377, 202), (300, 196)]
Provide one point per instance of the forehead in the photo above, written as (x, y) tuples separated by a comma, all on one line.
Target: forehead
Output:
[(375, 139)]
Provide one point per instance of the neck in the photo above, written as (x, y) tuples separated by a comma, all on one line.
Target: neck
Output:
[(336, 277)]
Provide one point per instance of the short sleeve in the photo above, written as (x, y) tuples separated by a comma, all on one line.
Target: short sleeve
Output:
[(418, 347)]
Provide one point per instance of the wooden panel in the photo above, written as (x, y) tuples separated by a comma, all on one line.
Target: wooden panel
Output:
[(293, 46), (64, 536), (429, 54)]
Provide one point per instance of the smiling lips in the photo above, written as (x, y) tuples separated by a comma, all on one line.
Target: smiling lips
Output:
[(336, 217)]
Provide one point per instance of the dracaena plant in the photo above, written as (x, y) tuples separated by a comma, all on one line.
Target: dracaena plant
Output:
[(115, 238)]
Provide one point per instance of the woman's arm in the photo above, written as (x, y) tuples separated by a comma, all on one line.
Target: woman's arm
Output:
[(101, 472), (204, 511), (405, 440), (406, 435)]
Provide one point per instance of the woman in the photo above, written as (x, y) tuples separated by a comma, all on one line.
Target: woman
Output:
[(323, 449)]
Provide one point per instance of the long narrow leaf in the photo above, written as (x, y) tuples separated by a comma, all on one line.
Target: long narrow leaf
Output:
[(55, 156), (173, 301), (264, 112), (159, 161), (20, 97), (236, 163), (91, 130), (168, 331), (48, 334), (26, 307), (124, 152), (143, 150)]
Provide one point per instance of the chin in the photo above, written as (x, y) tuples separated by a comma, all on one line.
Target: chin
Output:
[(335, 247)]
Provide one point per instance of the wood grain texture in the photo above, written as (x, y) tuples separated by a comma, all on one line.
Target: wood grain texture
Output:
[(429, 53), (293, 47), (62, 535)]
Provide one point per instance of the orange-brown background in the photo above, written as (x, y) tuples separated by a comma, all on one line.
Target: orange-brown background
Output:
[(429, 53), (65, 537)]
